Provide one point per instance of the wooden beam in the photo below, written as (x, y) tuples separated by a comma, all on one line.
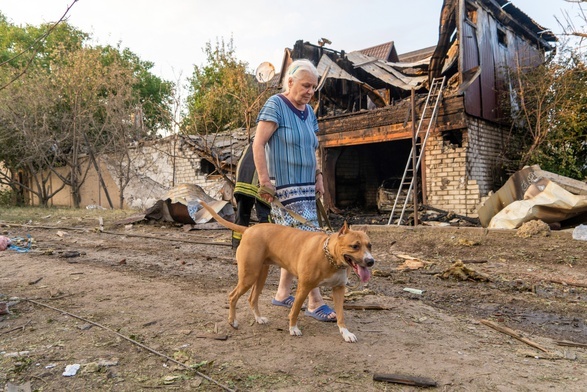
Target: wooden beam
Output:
[(406, 380)]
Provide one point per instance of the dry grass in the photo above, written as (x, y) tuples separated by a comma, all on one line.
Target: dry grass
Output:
[(54, 215)]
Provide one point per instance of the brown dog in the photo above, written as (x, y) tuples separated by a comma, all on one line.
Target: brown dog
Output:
[(315, 258)]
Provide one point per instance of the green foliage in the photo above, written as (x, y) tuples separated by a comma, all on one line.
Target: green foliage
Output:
[(153, 95), (61, 98), (20, 45), (222, 94), (21, 365), (27, 48), (565, 150), (553, 115), (7, 197)]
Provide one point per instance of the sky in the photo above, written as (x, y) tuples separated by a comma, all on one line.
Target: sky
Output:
[(173, 33)]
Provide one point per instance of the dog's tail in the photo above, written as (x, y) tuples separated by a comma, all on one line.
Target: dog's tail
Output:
[(222, 221)]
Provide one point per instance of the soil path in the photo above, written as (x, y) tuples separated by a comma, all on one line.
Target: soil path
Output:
[(156, 285)]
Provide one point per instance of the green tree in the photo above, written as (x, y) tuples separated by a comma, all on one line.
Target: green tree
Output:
[(564, 150), (22, 46), (222, 94), (153, 96), (550, 120), (28, 144), (68, 100)]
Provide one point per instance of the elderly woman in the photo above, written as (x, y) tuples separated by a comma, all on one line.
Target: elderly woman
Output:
[(284, 152)]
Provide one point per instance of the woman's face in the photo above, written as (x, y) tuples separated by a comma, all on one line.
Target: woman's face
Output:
[(302, 88)]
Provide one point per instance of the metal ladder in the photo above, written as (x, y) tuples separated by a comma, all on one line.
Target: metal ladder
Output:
[(410, 173)]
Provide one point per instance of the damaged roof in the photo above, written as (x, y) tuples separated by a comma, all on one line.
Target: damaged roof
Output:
[(385, 52), (545, 35), (390, 73), (417, 55)]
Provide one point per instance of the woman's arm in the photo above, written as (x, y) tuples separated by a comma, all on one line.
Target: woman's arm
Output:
[(265, 130)]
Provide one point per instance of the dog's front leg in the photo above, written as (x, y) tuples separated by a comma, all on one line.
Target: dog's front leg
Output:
[(301, 294), (338, 297)]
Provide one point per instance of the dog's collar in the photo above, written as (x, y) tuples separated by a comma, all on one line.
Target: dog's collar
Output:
[(329, 255)]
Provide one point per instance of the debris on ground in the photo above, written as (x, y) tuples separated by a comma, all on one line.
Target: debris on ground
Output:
[(411, 263), (467, 242), (580, 233), (181, 205), (70, 254), (512, 333), (414, 291), (26, 387), (459, 271), (71, 370), (4, 242), (533, 228), (18, 244), (532, 193), (358, 293), (406, 380)]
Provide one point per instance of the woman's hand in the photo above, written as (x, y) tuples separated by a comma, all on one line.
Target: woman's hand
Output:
[(267, 191), (319, 184)]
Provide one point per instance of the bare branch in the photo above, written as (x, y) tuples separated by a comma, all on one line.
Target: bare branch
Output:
[(34, 48)]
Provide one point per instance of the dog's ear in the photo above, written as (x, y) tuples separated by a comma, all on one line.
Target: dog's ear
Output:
[(344, 229)]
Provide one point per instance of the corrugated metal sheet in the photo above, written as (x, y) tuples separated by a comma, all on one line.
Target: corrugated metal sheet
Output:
[(332, 70), (422, 63), (386, 72), (329, 69), (493, 63)]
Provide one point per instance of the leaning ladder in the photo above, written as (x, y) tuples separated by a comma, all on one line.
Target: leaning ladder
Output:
[(410, 173)]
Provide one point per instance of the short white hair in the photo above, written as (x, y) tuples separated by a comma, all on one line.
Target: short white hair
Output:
[(301, 65)]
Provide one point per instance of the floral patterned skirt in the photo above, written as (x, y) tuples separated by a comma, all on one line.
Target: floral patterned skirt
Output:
[(301, 199)]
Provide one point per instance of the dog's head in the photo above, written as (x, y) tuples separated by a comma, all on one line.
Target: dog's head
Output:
[(354, 247)]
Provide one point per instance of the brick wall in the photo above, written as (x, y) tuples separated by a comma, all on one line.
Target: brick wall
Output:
[(486, 150), (459, 176)]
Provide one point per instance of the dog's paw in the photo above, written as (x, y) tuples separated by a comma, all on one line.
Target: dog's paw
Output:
[(261, 320), (295, 331), (233, 324), (348, 337)]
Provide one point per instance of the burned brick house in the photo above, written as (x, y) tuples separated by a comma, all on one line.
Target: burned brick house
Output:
[(371, 102)]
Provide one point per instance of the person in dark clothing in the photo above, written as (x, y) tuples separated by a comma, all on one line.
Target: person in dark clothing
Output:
[(246, 193)]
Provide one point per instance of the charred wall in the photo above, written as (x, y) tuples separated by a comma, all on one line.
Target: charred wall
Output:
[(501, 46), (362, 169)]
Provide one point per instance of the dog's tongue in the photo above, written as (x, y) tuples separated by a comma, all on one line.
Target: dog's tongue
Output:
[(364, 273)]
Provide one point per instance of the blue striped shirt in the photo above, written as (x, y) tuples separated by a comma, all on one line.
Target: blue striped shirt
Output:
[(290, 151)]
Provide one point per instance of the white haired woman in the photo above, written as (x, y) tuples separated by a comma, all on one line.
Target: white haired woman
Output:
[(284, 152)]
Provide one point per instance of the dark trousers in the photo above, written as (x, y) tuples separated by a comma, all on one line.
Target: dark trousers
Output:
[(244, 206)]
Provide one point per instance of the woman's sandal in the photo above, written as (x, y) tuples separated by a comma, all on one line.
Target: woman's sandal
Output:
[(322, 313), (288, 302)]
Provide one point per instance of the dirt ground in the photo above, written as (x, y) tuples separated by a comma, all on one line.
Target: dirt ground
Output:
[(143, 307)]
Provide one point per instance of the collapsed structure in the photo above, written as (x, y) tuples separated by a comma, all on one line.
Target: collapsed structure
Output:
[(367, 113)]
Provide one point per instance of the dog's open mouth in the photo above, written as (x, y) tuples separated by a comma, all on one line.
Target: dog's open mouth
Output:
[(363, 273)]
